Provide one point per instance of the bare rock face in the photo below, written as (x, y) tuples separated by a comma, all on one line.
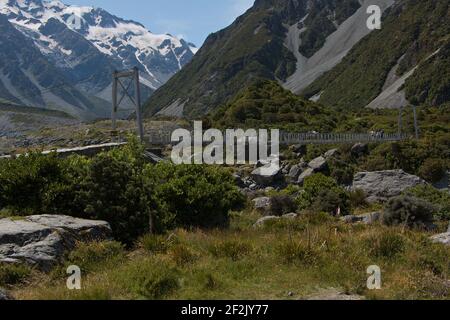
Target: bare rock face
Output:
[(262, 204), (359, 149), (267, 175), (305, 174), (367, 218), (261, 222), (385, 184), (42, 240), (443, 238), (4, 296), (318, 164)]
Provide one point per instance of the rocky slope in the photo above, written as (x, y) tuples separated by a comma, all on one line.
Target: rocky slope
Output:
[(76, 50)]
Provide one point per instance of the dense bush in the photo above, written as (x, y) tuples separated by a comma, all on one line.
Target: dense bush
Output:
[(322, 194), (433, 170), (282, 204), (409, 212), (24, 181), (386, 245), (196, 195), (358, 198), (440, 199), (121, 188)]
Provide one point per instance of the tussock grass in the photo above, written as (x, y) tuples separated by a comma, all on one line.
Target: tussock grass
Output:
[(311, 253)]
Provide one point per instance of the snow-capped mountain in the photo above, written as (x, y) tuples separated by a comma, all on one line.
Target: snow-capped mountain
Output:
[(85, 44)]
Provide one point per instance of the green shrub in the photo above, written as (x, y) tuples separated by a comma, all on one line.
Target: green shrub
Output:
[(358, 199), (196, 195), (155, 243), (234, 250), (24, 181), (281, 204), (12, 274), (114, 191), (440, 199), (433, 170), (94, 255), (297, 252), (182, 255), (386, 245), (322, 194), (150, 279), (409, 212)]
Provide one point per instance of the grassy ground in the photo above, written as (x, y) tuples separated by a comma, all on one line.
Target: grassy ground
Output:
[(283, 260)]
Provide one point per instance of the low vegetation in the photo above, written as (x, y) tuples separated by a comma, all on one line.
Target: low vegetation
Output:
[(299, 257)]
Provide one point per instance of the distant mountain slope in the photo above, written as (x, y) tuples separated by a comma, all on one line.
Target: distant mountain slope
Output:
[(407, 61), (266, 42), (16, 120), (85, 45), (26, 73)]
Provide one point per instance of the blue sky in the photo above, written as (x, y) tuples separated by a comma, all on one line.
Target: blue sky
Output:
[(194, 20)]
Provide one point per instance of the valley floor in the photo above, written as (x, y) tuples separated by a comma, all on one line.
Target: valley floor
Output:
[(311, 256)]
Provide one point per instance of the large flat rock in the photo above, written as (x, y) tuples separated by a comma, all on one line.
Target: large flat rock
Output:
[(385, 184), (42, 240)]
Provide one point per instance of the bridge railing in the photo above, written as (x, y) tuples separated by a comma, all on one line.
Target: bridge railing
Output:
[(163, 137)]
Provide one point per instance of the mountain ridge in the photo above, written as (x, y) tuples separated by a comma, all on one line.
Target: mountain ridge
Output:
[(86, 44)]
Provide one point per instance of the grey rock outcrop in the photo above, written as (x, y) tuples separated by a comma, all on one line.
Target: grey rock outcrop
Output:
[(42, 240), (4, 296), (262, 204), (318, 164), (443, 238), (305, 174), (295, 172), (267, 175), (383, 185), (367, 218), (331, 153), (359, 149), (261, 222)]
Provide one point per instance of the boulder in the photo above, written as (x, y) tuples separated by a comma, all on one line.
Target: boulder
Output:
[(305, 174), (367, 218), (318, 164), (4, 296), (290, 216), (443, 238), (262, 204), (383, 185), (359, 149), (267, 175), (331, 153), (295, 172), (238, 181), (42, 240), (262, 221)]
